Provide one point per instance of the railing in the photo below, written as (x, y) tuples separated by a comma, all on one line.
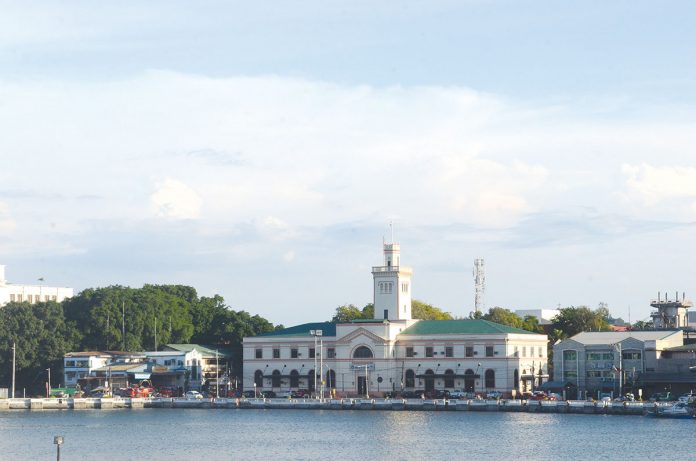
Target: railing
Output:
[(385, 268)]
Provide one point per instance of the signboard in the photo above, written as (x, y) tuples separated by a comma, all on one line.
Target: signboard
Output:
[(357, 367)]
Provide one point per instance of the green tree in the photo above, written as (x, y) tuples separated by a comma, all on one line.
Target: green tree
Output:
[(573, 320), (347, 313), (425, 311), (504, 317)]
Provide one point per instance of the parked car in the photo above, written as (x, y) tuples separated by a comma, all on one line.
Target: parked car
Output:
[(409, 395), (299, 394), (458, 394), (538, 395), (494, 395), (267, 394), (194, 395), (249, 394), (662, 397)]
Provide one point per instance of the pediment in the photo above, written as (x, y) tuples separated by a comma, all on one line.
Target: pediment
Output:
[(358, 332)]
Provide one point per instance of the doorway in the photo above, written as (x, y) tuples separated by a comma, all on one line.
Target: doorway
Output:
[(362, 385)]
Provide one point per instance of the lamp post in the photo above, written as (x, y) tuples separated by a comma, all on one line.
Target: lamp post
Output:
[(217, 375), (13, 368), (317, 333), (58, 441), (48, 389)]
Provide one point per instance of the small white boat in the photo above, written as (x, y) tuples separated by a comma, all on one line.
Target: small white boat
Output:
[(677, 410)]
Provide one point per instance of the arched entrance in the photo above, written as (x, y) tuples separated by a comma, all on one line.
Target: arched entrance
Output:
[(258, 378), (310, 381), (410, 380), (275, 379), (469, 380), (449, 379), (429, 380), (331, 379), (294, 379)]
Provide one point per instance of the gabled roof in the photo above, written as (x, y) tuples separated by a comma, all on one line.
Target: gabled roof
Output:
[(463, 326), (205, 350), (610, 337), (327, 328)]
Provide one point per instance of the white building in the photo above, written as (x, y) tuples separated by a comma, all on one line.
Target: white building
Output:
[(10, 292), (545, 316), (78, 365), (394, 352)]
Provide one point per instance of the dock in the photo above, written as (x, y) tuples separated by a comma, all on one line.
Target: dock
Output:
[(362, 404)]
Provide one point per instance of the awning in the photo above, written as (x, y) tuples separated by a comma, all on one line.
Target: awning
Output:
[(531, 377), (141, 375), (553, 385)]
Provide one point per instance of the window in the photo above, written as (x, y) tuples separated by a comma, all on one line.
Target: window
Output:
[(330, 353), (47, 298), (69, 363), (293, 353), (632, 355), (53, 297), (570, 374), (30, 298), (489, 351), (570, 355), (386, 314), (469, 352), (312, 352), (409, 351), (524, 351), (449, 352), (259, 353), (410, 379), (541, 352), (404, 287), (516, 352), (449, 378), (19, 298), (429, 351), (276, 354), (362, 352), (490, 379), (70, 375)]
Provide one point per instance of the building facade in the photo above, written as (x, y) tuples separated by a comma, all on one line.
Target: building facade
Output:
[(611, 362), (10, 292), (393, 352)]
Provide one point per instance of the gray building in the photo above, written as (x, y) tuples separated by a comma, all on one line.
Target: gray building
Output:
[(610, 362)]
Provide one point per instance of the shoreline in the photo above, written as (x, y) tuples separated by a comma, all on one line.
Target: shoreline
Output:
[(544, 406)]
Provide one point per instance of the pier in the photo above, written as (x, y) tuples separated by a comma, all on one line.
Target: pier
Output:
[(529, 406)]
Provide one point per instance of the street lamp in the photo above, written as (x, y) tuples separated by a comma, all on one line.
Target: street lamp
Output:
[(48, 389), (58, 441), (478, 367), (318, 333)]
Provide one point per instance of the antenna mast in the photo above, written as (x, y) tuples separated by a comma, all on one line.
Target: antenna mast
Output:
[(479, 285)]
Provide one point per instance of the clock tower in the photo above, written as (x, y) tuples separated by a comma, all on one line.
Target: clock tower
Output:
[(392, 286)]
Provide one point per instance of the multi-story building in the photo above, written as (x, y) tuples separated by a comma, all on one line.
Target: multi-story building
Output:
[(394, 352), (610, 361), (11, 292)]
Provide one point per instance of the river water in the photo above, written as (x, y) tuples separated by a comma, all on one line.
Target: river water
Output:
[(209, 435)]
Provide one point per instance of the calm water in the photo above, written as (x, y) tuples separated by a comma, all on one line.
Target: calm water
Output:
[(209, 435)]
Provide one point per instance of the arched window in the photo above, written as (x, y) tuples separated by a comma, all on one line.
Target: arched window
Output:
[(294, 379), (310, 380), (469, 380), (258, 378), (490, 379), (449, 379), (362, 352), (275, 379), (410, 379), (330, 379)]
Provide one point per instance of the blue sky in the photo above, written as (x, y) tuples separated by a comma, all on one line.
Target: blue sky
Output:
[(259, 149)]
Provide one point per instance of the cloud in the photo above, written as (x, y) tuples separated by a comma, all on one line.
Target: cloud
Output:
[(653, 184), (173, 199)]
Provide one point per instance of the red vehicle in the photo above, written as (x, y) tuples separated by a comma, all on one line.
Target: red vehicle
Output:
[(540, 395)]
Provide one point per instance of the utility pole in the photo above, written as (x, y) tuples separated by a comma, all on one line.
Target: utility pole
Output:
[(321, 365), (14, 363), (123, 325), (316, 333), (48, 391)]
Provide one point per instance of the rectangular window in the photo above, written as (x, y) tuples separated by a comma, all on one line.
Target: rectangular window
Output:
[(524, 351), (594, 374), (541, 352), (570, 374), (259, 353), (633, 355), (570, 355), (386, 314), (12, 297), (330, 353), (489, 351), (429, 351), (30, 298), (293, 353), (409, 351), (19, 298), (469, 351), (69, 363), (515, 352), (312, 353), (449, 351), (276, 353)]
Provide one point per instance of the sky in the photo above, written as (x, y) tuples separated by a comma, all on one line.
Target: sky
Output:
[(259, 150)]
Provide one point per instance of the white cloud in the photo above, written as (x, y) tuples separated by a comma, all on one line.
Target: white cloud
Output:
[(7, 224), (175, 200), (655, 184)]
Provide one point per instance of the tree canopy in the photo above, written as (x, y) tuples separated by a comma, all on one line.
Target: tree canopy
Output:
[(96, 318), (419, 310), (573, 320)]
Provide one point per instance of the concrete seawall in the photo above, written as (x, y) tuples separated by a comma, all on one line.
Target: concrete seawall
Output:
[(572, 406)]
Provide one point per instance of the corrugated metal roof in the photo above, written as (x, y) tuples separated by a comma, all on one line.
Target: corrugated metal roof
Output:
[(464, 326), (609, 337), (327, 328)]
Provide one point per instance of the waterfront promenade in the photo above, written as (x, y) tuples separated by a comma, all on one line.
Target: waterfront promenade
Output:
[(544, 406)]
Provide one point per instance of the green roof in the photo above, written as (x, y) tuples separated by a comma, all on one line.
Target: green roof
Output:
[(453, 327), (327, 328)]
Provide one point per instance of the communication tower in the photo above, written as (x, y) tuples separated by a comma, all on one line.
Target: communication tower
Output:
[(479, 285)]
